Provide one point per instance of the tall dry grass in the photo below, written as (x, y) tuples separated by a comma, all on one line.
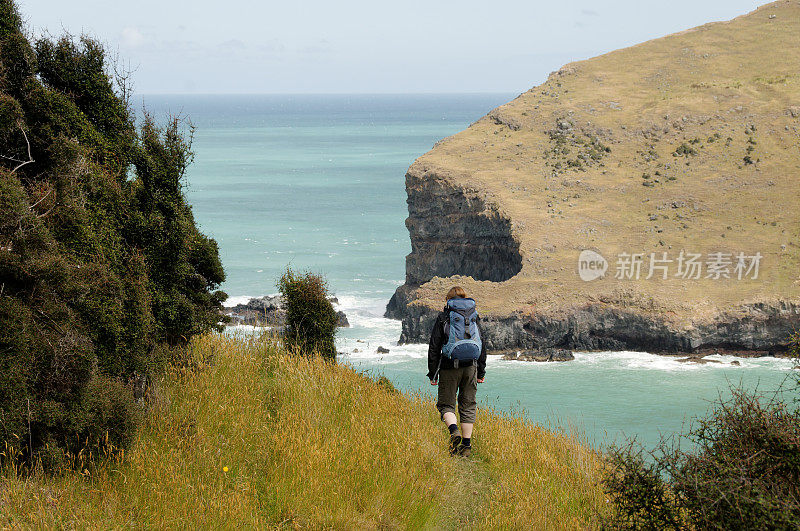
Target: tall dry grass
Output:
[(538, 478), (255, 438)]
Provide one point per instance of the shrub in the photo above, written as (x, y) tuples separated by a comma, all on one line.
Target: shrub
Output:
[(310, 317), (640, 497), (684, 150), (743, 472), (100, 258)]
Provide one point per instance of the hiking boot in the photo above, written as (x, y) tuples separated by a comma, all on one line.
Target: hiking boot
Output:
[(455, 443), (464, 451)]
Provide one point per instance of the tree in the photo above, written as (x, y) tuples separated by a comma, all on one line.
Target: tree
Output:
[(100, 257)]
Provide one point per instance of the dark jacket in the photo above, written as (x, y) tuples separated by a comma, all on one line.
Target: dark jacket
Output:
[(438, 362)]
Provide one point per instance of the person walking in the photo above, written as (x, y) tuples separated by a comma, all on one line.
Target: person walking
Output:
[(457, 364)]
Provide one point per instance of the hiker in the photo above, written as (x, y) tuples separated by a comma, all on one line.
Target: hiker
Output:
[(457, 364)]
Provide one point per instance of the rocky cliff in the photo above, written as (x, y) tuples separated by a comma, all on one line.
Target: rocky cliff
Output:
[(455, 230), (646, 199)]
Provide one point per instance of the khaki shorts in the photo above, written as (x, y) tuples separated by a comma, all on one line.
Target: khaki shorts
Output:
[(461, 382)]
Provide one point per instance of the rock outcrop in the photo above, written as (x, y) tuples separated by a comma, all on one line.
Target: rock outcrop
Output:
[(269, 311), (544, 354), (456, 231), (698, 360), (678, 147)]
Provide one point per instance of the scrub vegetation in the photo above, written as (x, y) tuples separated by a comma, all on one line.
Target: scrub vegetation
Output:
[(103, 271), (741, 469), (310, 317)]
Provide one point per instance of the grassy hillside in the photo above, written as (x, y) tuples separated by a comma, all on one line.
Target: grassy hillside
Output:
[(253, 437), (689, 142)]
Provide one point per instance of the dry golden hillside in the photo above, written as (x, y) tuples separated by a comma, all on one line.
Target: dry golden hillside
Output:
[(689, 143)]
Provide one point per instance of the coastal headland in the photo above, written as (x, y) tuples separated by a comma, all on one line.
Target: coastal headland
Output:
[(645, 199)]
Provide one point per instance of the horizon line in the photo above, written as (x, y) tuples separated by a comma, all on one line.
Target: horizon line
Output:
[(431, 93)]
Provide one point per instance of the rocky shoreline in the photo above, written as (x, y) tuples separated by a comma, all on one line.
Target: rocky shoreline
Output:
[(268, 311), (753, 330), (544, 354)]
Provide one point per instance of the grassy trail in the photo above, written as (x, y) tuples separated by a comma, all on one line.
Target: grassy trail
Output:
[(259, 439)]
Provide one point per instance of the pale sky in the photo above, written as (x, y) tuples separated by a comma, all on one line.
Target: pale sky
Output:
[(355, 46)]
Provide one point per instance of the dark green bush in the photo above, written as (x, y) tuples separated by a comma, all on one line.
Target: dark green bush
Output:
[(102, 267), (310, 318), (743, 472), (640, 496)]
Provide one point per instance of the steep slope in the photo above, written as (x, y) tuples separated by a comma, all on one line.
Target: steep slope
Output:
[(686, 145), (256, 438)]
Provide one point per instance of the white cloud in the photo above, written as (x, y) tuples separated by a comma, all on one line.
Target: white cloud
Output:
[(132, 37), (321, 46), (233, 44)]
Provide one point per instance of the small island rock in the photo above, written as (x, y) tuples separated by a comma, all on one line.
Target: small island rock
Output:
[(542, 354)]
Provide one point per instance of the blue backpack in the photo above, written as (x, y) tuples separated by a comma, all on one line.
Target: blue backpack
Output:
[(461, 329)]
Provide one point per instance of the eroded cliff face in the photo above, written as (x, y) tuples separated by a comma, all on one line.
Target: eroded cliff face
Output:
[(456, 231)]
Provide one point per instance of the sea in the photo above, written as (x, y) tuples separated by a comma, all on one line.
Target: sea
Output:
[(317, 182)]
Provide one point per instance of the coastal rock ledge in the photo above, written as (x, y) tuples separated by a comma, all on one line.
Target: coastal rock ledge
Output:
[(755, 329), (692, 152)]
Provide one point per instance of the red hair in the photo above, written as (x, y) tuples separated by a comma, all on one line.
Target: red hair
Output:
[(456, 292)]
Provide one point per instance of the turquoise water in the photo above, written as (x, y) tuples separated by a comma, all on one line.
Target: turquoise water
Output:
[(312, 181), (318, 182)]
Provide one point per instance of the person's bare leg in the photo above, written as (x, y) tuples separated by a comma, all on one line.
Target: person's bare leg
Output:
[(466, 430), (449, 419)]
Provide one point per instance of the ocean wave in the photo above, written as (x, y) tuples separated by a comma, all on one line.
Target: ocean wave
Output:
[(235, 300), (230, 302), (367, 351), (643, 361), (654, 362), (242, 328)]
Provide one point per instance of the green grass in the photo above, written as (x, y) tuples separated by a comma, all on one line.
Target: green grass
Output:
[(308, 443)]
